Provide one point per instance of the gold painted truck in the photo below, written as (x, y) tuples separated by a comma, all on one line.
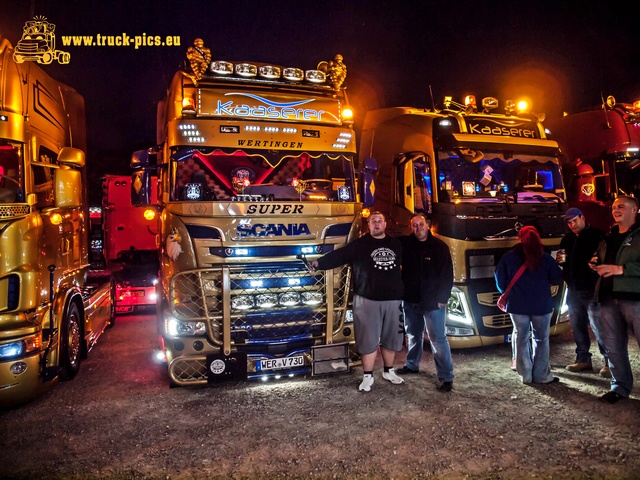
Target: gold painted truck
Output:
[(480, 175), (255, 166), (52, 309)]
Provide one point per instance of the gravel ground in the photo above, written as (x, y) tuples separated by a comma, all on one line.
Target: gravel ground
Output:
[(119, 420)]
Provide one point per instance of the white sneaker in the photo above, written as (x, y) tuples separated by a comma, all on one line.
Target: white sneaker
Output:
[(367, 381), (392, 377)]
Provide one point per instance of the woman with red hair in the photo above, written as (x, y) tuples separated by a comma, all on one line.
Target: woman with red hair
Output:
[(529, 303)]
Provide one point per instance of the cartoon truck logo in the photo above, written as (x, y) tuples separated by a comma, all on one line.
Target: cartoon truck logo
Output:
[(38, 44)]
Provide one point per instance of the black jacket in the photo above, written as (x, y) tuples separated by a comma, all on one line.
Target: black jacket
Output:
[(427, 271), (580, 249)]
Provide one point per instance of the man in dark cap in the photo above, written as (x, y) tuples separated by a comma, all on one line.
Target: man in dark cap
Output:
[(580, 244)]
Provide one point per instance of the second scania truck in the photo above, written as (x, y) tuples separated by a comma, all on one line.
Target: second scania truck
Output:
[(52, 311)]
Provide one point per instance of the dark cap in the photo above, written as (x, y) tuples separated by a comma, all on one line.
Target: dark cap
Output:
[(572, 213)]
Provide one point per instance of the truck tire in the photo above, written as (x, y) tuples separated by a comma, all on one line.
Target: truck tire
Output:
[(70, 343), (46, 58)]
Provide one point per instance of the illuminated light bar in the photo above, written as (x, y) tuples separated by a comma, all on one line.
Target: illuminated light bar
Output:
[(339, 145), (315, 76), (269, 71), (288, 299), (293, 74), (343, 140), (221, 67), (271, 129), (317, 196), (311, 298), (445, 122), (633, 149), (196, 140), (242, 302), (241, 251), (293, 281), (246, 69), (252, 128), (345, 135), (307, 250), (289, 130), (266, 300), (256, 283), (229, 129)]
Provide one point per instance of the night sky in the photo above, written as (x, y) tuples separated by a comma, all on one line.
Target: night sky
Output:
[(562, 54)]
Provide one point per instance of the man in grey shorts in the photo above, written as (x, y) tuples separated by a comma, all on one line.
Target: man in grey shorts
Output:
[(377, 304)]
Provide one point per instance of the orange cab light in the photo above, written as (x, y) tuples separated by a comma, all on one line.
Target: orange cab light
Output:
[(470, 101), (188, 106), (149, 214)]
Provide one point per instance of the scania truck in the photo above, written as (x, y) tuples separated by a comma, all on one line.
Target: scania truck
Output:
[(601, 156), (51, 310), (480, 175), (256, 175)]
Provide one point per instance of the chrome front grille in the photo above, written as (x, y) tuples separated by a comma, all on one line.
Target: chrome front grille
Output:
[(260, 304)]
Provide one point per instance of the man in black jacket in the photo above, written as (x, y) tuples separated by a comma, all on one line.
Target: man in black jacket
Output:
[(580, 244), (427, 272)]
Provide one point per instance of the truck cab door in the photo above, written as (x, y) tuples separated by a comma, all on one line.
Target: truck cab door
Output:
[(413, 185)]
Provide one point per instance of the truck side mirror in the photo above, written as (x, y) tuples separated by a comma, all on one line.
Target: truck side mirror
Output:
[(139, 159), (370, 165)]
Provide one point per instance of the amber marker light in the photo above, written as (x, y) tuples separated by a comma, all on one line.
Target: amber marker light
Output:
[(149, 214), (188, 106), (347, 114), (366, 213), (56, 219)]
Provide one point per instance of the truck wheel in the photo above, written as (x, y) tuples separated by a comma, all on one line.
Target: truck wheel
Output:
[(63, 57), (70, 343), (46, 58), (112, 308)]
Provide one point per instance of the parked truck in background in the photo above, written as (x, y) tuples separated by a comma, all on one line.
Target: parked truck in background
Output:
[(129, 244), (481, 176), (601, 148), (51, 310), (255, 167)]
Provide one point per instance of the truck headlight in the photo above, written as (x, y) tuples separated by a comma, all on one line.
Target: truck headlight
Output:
[(20, 348), (177, 328), (458, 308)]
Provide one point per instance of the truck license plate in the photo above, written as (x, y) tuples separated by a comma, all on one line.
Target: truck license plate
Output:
[(280, 363)]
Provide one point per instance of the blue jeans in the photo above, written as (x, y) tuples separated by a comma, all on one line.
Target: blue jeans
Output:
[(579, 318), (532, 347), (616, 317), (415, 321)]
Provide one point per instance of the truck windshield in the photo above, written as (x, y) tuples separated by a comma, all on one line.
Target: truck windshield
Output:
[(11, 182), (213, 174), (470, 176)]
